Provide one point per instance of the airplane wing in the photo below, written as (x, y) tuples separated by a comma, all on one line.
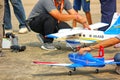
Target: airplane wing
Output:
[(111, 61), (57, 64), (88, 40), (63, 33)]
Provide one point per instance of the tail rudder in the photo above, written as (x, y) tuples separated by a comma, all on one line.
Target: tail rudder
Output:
[(115, 25)]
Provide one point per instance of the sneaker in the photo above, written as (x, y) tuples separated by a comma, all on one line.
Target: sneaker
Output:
[(48, 46), (1, 54), (8, 31), (117, 69), (40, 38), (23, 30)]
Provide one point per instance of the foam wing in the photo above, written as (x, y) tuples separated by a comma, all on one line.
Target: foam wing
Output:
[(87, 41), (64, 33)]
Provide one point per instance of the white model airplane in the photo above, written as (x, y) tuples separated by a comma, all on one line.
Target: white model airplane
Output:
[(91, 36)]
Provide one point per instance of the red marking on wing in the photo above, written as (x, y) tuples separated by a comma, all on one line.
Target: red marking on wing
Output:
[(39, 62), (98, 57)]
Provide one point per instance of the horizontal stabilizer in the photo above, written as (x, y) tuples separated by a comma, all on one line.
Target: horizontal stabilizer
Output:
[(98, 25), (111, 61), (51, 63), (115, 25)]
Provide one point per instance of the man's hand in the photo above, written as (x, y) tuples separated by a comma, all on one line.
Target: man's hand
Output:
[(83, 50), (83, 21)]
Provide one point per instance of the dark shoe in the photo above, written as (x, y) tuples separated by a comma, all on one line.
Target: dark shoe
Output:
[(117, 69), (48, 46), (40, 38), (2, 54)]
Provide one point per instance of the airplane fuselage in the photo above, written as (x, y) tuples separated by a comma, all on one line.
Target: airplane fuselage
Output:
[(93, 35)]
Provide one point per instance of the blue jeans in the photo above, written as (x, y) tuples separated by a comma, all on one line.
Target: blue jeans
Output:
[(18, 11), (81, 3), (108, 8)]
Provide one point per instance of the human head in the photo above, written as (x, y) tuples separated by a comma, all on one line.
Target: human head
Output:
[(58, 1)]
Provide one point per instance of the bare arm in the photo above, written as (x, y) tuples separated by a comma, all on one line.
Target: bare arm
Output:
[(62, 17), (104, 43), (72, 15), (80, 18)]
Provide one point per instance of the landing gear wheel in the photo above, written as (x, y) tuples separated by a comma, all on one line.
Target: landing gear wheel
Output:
[(74, 49), (117, 69), (58, 47), (74, 69), (97, 70), (70, 73)]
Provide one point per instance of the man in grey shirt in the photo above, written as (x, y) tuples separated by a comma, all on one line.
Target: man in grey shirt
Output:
[(46, 17)]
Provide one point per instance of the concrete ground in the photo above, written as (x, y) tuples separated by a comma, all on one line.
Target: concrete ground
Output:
[(19, 66)]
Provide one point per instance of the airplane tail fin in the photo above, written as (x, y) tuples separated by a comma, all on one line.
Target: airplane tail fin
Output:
[(115, 25)]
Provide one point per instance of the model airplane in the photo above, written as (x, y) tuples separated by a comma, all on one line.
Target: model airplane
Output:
[(74, 37), (91, 36), (85, 60)]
